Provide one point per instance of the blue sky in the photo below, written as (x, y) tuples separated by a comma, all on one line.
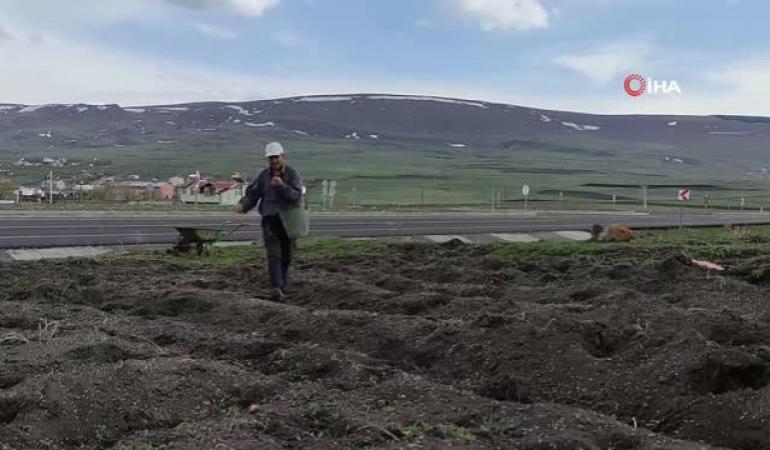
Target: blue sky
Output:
[(560, 54)]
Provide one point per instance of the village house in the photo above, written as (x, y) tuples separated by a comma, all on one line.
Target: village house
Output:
[(217, 192), (143, 190), (30, 194)]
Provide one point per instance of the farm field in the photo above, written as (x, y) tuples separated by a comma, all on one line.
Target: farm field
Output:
[(392, 345)]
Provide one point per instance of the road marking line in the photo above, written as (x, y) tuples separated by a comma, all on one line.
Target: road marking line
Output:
[(27, 227), (421, 230), (64, 236), (444, 238), (575, 235), (55, 253), (515, 237), (225, 224)]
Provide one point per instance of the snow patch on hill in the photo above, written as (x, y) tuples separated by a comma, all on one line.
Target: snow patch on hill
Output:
[(241, 110), (427, 98), (730, 133), (32, 108), (135, 110), (581, 127), (168, 109), (353, 135), (326, 98), (545, 118), (258, 125), (673, 123), (457, 145)]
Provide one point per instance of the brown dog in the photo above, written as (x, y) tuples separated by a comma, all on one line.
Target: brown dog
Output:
[(607, 233)]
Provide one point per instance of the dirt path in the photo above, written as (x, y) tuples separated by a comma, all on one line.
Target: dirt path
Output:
[(427, 347)]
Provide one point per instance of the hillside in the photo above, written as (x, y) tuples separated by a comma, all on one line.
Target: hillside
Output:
[(386, 137)]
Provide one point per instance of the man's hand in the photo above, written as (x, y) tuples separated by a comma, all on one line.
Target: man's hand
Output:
[(277, 182), (238, 208)]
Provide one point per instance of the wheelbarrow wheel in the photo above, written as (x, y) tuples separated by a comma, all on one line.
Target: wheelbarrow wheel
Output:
[(180, 249)]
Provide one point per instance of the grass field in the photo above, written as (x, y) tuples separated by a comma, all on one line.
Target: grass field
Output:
[(391, 175), (706, 242)]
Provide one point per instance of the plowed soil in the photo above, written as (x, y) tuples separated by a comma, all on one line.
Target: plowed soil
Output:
[(427, 346)]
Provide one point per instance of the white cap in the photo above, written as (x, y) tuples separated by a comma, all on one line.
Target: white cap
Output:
[(273, 149)]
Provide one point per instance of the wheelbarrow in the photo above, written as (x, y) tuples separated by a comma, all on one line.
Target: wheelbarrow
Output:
[(203, 238)]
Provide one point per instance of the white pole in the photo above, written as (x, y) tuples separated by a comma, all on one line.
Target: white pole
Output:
[(492, 200), (50, 188)]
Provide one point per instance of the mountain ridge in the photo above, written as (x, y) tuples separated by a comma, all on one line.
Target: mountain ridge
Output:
[(374, 117)]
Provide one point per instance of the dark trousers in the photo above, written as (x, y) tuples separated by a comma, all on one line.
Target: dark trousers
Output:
[(278, 247)]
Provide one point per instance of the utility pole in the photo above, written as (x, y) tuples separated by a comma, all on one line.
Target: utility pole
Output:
[(492, 200), (50, 188), (525, 193), (644, 190)]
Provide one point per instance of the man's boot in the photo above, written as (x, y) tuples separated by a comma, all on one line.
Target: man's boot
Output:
[(278, 295)]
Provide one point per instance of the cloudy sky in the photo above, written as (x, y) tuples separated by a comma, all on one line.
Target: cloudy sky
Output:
[(560, 54)]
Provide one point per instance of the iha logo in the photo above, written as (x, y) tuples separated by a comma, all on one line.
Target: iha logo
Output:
[(635, 85)]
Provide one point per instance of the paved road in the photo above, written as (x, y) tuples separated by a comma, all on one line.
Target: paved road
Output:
[(39, 232)]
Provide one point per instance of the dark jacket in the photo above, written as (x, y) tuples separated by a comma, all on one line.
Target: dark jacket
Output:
[(269, 198)]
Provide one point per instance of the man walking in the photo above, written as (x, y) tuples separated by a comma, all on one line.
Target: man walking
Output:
[(277, 187)]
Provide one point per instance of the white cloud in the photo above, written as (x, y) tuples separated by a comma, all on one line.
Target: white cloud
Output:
[(253, 8), (45, 13), (215, 31), (54, 69), (737, 88), (48, 13), (606, 63), (744, 86), (505, 14)]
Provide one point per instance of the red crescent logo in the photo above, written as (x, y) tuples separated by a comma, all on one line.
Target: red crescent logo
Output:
[(635, 91)]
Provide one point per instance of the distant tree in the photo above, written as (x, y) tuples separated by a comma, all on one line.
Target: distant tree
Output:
[(7, 188), (103, 193)]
